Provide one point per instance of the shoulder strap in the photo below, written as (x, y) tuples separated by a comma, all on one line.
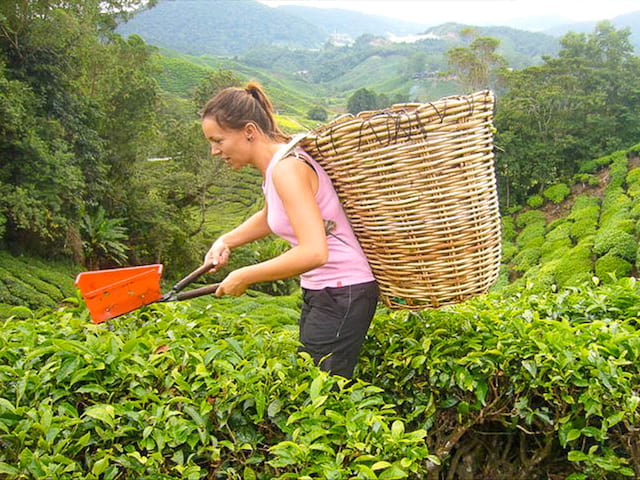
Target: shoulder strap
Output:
[(293, 143)]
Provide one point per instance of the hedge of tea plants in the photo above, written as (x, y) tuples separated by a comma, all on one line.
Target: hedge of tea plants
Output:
[(598, 237), (529, 386)]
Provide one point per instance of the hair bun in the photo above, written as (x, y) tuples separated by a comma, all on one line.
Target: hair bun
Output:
[(253, 89)]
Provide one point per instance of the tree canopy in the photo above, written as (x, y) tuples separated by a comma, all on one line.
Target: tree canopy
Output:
[(575, 107)]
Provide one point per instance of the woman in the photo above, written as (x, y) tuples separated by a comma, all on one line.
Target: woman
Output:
[(301, 206)]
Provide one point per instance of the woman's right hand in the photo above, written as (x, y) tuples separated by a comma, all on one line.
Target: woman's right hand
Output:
[(218, 254)]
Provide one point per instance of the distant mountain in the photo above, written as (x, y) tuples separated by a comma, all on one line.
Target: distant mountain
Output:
[(220, 27), (630, 20), (354, 24), (521, 48), (538, 23)]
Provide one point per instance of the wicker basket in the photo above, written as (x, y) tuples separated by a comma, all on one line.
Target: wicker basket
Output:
[(417, 182)]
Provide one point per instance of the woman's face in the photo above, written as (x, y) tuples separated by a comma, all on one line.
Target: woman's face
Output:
[(231, 145)]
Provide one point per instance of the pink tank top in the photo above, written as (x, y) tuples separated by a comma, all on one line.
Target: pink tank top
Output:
[(347, 264)]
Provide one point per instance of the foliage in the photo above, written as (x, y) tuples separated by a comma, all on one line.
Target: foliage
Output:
[(500, 372), (102, 239), (214, 83), (529, 217), (575, 266), (612, 265), (617, 242), (526, 258), (31, 282), (318, 113), (362, 100), (531, 235), (478, 66), (557, 193), (192, 393), (535, 201), (570, 109), (215, 389), (508, 228), (82, 106)]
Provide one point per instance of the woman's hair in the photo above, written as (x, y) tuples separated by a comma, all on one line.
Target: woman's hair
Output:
[(234, 107)]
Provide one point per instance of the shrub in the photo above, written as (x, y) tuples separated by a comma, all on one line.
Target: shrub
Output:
[(575, 267), (618, 172), (529, 217), (614, 200), (633, 176), (614, 218), (616, 242), (561, 231), (586, 178), (633, 190), (612, 264), (526, 259), (557, 193), (530, 235), (535, 201), (583, 228), (554, 249), (541, 278), (583, 202), (502, 281), (592, 166), (556, 223), (508, 229), (508, 251), (318, 113), (540, 362)]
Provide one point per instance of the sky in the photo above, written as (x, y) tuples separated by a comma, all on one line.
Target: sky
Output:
[(477, 12)]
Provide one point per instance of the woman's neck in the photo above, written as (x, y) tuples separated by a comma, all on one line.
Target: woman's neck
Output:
[(265, 150)]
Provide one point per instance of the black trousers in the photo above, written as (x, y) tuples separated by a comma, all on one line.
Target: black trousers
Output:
[(334, 322)]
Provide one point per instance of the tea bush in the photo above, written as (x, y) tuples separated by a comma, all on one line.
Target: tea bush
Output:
[(575, 266), (529, 386), (616, 242), (557, 193), (611, 264), (531, 236), (183, 392), (526, 259), (530, 217), (535, 201), (508, 229), (507, 388)]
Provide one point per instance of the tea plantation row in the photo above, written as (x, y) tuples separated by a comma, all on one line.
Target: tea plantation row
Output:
[(527, 387)]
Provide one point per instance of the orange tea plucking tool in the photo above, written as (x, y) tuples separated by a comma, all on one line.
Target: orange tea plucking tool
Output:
[(113, 292)]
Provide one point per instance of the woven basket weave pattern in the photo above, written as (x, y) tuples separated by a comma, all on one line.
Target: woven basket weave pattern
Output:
[(417, 182)]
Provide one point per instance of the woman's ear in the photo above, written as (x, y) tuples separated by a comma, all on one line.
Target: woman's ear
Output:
[(250, 131)]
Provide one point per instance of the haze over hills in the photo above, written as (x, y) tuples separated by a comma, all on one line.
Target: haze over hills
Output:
[(335, 21), (234, 27), (629, 20)]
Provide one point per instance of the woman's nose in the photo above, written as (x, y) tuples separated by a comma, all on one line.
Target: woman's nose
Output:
[(215, 150)]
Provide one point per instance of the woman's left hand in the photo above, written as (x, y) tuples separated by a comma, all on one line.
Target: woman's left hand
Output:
[(233, 284)]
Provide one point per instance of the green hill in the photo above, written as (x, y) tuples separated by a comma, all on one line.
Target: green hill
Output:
[(219, 27)]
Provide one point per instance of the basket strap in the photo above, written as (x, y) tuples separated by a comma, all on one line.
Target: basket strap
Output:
[(286, 150)]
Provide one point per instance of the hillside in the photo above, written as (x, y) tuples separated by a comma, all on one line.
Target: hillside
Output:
[(630, 20), (573, 233), (230, 28), (520, 48), (220, 27), (351, 23)]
